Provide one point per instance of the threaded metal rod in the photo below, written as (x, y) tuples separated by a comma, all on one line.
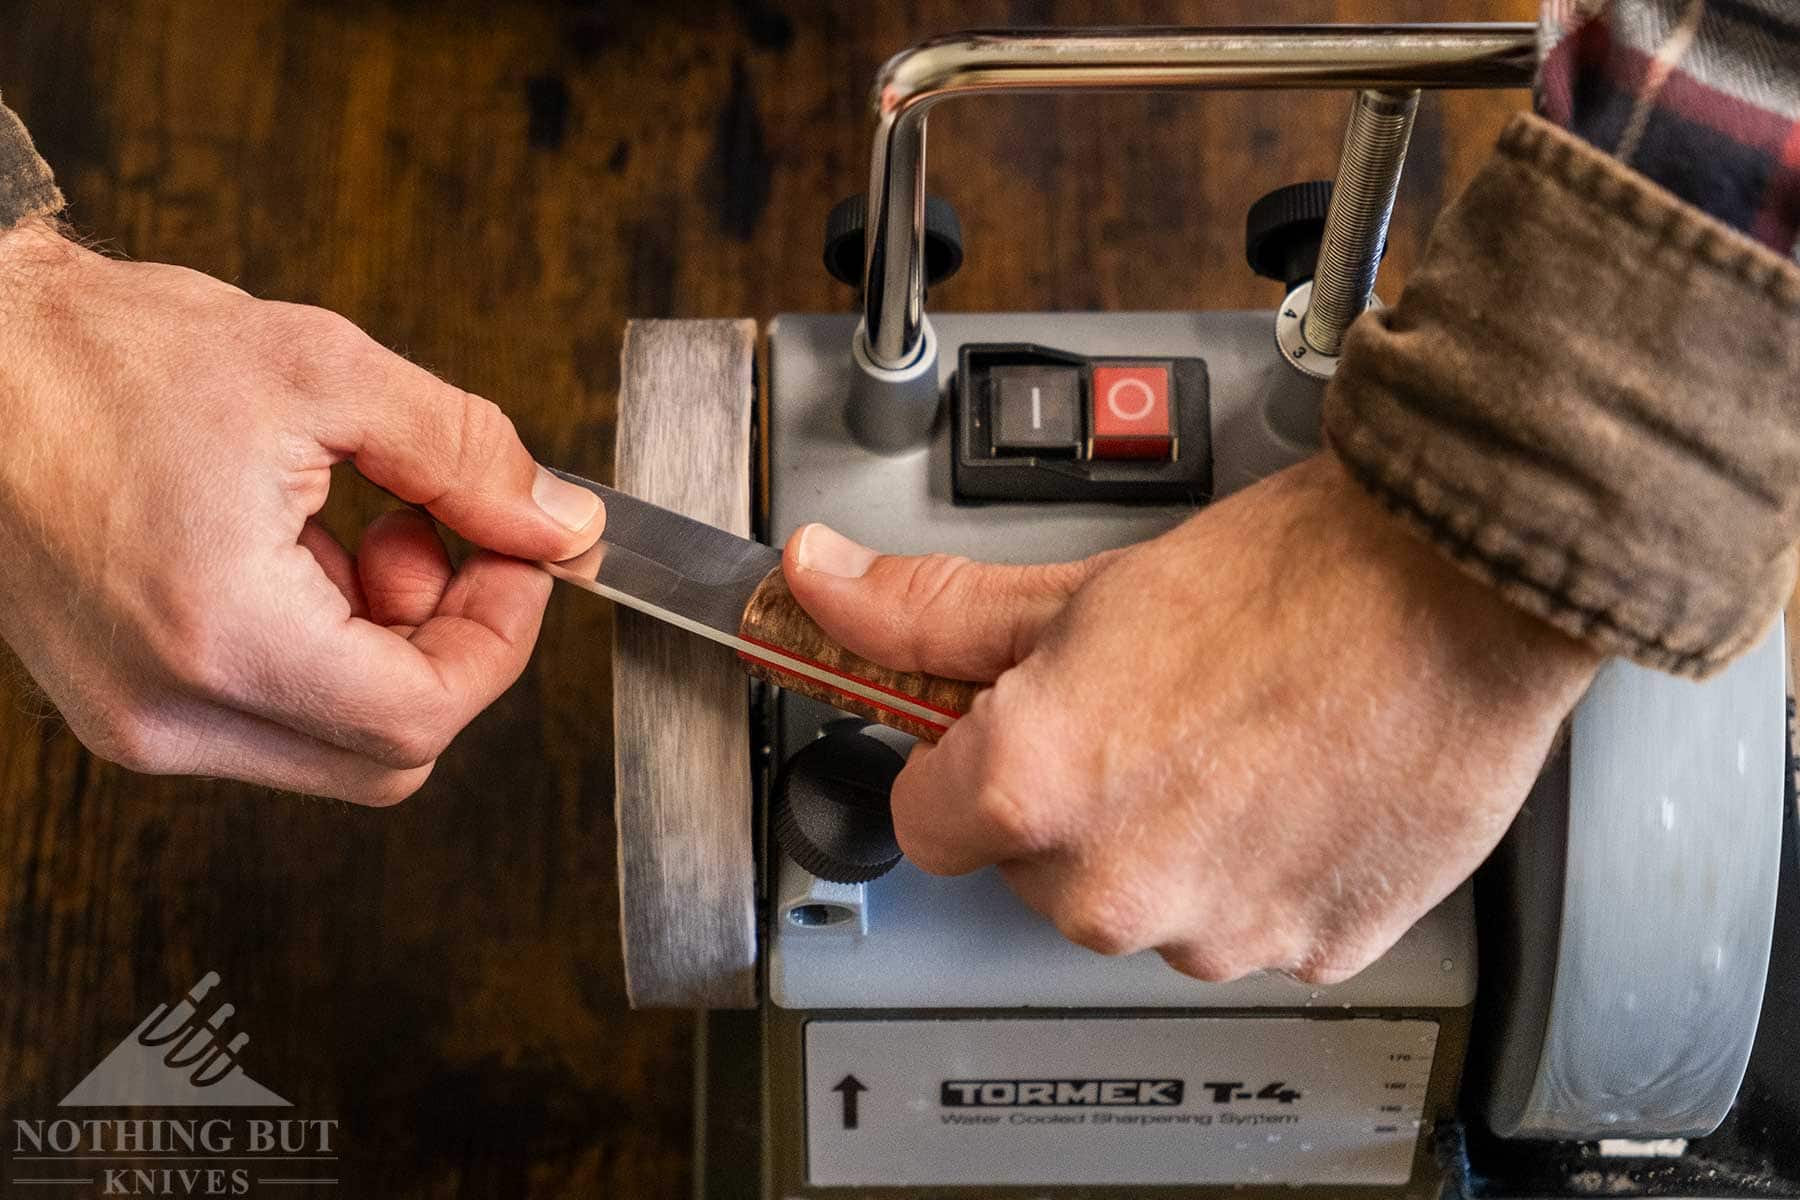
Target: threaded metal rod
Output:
[(1362, 203)]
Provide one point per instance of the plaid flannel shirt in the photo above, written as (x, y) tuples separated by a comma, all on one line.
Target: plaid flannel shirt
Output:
[(1703, 96)]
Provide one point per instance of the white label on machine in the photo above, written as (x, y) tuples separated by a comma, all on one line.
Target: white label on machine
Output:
[(1094, 1100)]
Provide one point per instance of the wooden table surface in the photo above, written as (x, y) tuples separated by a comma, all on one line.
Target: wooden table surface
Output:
[(493, 188)]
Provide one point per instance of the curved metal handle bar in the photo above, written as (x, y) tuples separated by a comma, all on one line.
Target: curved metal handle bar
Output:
[(1123, 60)]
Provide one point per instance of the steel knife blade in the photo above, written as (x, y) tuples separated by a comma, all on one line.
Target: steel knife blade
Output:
[(730, 589)]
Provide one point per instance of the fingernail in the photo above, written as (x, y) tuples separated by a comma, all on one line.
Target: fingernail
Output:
[(829, 552), (568, 504)]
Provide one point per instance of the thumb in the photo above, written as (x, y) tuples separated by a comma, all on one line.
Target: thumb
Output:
[(935, 613), (458, 455)]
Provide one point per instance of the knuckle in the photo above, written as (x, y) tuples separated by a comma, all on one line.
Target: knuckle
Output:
[(191, 642), (1016, 794), (921, 837), (915, 828), (315, 349), (1065, 578), (409, 730), (1105, 920), (130, 739), (411, 744), (931, 855), (1330, 966), (932, 577), (481, 434), (928, 593), (1323, 975), (386, 790), (1014, 821), (1209, 964)]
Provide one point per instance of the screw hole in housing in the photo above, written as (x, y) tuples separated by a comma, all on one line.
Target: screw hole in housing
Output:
[(818, 916)]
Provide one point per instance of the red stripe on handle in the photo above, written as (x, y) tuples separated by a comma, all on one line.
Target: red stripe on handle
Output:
[(858, 697), (868, 683)]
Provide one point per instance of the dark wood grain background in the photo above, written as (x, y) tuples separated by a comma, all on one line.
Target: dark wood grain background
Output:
[(493, 188)]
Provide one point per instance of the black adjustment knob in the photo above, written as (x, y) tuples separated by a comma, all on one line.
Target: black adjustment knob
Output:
[(1283, 230), (844, 240), (831, 805)]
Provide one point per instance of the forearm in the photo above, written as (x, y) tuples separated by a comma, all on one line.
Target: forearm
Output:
[(1588, 394), (27, 188)]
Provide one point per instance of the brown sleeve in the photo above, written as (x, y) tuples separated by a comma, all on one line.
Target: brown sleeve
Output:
[(27, 189), (1588, 396)]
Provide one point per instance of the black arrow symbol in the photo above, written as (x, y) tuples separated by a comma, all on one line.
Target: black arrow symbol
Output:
[(849, 1085)]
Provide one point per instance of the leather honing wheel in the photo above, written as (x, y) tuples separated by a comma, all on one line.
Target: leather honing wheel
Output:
[(1629, 914), (681, 709)]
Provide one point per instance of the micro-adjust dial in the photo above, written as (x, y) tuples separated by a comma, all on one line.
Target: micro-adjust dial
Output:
[(831, 804)]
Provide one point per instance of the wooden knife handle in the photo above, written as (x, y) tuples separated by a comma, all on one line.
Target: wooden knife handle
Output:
[(775, 621)]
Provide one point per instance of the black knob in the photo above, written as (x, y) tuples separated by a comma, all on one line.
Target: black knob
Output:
[(831, 805), (844, 240), (1283, 230)]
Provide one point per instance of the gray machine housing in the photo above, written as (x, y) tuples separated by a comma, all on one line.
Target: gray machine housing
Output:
[(909, 942)]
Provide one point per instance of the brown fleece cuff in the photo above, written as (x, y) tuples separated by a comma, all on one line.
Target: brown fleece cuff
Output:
[(27, 188), (1588, 396)]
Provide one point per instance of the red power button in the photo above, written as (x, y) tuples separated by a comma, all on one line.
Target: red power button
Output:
[(1131, 413)]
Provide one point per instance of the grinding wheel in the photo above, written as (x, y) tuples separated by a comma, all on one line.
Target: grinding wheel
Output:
[(1627, 918)]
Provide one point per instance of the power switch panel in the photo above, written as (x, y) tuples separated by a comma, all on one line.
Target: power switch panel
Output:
[(1036, 410), (1031, 423), (1131, 412)]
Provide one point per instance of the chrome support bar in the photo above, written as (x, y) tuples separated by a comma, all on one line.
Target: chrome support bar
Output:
[(1381, 57)]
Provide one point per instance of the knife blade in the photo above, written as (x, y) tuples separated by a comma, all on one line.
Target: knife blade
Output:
[(730, 589)]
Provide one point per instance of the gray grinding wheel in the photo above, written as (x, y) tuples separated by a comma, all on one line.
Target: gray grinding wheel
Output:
[(1628, 917)]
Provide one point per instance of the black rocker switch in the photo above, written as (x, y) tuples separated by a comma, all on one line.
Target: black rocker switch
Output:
[(1036, 410), (1037, 423)]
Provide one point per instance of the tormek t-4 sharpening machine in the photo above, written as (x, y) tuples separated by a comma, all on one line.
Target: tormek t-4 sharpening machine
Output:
[(1611, 1007)]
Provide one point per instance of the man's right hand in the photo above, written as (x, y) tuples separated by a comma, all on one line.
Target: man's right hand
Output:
[(167, 442), (1272, 737)]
